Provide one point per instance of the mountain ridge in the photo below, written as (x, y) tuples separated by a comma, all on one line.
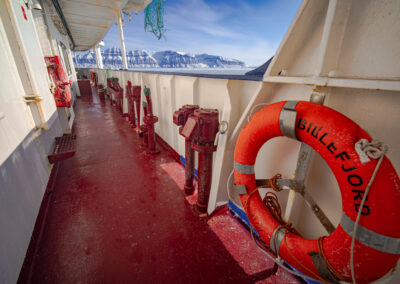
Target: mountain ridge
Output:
[(112, 57)]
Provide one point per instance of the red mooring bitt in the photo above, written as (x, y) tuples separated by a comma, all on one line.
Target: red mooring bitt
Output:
[(136, 94), (150, 119), (131, 108), (202, 127), (143, 128), (179, 118), (117, 91)]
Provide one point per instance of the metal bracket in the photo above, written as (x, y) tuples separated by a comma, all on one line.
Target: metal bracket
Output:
[(287, 119), (321, 267), (32, 99)]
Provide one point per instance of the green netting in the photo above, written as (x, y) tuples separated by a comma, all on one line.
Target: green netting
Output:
[(153, 19)]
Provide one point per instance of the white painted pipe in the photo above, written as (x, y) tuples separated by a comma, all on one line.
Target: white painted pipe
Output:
[(289, 205), (122, 41), (99, 59)]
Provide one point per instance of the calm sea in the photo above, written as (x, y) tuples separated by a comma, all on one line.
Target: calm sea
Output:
[(216, 71)]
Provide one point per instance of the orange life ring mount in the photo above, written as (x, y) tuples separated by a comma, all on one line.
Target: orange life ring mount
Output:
[(333, 136)]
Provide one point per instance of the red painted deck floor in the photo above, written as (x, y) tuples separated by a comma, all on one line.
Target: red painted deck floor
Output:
[(119, 216)]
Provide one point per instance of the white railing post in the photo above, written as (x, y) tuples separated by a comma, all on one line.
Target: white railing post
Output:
[(122, 40), (99, 59)]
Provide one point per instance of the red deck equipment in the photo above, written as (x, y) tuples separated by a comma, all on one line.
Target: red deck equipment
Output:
[(94, 77), (202, 127), (117, 91), (150, 119), (131, 107), (61, 91), (143, 128), (180, 117)]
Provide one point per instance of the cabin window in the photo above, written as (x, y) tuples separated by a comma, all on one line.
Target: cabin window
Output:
[(65, 57)]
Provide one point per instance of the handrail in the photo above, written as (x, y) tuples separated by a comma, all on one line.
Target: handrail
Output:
[(211, 76)]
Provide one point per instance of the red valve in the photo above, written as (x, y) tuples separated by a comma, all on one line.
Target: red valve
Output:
[(202, 127), (180, 118), (150, 119)]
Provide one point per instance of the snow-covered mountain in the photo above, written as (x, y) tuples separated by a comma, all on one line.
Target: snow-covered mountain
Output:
[(162, 59)]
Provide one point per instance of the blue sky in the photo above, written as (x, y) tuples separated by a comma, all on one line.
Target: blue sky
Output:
[(246, 30)]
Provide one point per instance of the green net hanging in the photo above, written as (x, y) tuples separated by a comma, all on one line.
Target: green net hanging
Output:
[(153, 19)]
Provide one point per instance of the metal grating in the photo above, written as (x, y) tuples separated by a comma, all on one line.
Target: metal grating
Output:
[(64, 147)]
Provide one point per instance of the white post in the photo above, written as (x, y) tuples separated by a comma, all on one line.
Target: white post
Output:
[(99, 59), (121, 38)]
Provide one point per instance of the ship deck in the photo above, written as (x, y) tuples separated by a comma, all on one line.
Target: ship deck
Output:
[(118, 215)]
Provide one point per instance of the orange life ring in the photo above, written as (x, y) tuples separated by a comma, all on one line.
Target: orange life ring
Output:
[(333, 136)]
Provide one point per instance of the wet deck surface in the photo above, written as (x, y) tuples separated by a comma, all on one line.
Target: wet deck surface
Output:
[(119, 216)]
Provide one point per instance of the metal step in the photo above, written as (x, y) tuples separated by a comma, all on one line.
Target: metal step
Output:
[(64, 147)]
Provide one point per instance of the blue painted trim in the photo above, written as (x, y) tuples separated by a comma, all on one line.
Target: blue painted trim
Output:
[(183, 163), (240, 214)]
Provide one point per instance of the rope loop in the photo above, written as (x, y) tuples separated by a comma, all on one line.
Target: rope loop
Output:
[(366, 150), (273, 182)]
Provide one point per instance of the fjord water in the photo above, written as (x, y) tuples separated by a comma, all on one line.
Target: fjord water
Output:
[(214, 71)]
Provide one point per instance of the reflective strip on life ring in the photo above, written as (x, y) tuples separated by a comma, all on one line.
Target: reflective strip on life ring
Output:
[(333, 136)]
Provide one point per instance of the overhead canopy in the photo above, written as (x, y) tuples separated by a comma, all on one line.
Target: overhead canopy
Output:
[(136, 5), (89, 20)]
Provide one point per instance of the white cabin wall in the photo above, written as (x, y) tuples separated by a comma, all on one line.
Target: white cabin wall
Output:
[(27, 131), (24, 168), (14, 126), (32, 55), (54, 37)]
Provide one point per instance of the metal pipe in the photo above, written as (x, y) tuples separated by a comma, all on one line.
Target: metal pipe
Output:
[(99, 59), (189, 167), (205, 174), (122, 41)]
